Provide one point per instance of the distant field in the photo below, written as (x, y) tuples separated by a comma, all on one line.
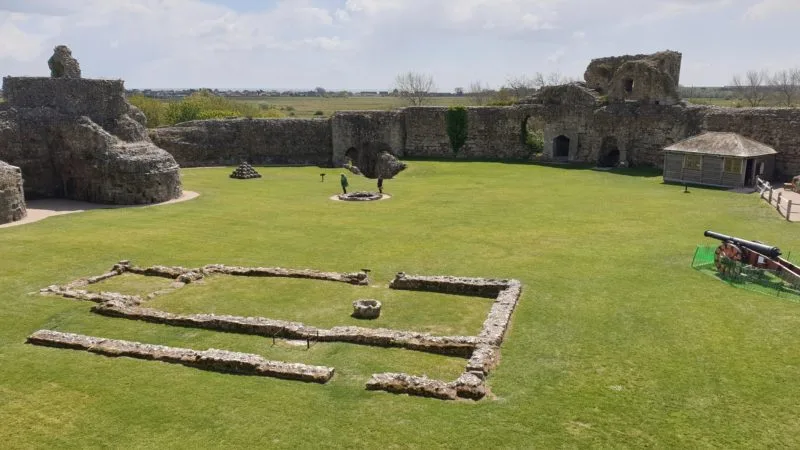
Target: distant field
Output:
[(735, 103), (307, 106)]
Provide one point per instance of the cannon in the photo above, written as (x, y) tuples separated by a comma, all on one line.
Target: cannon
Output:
[(733, 251)]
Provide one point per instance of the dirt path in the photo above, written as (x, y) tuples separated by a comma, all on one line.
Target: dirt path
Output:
[(42, 209)]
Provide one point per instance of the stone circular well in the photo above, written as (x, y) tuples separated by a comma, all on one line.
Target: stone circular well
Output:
[(366, 309), (360, 197)]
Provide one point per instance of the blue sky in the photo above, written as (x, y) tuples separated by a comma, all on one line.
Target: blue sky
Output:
[(364, 44)]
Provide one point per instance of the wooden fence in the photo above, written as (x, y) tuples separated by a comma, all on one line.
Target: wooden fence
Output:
[(778, 198)]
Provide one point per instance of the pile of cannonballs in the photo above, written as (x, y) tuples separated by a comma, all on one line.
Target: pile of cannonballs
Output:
[(244, 172)]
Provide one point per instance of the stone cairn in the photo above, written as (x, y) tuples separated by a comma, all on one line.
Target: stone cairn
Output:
[(62, 64), (244, 172)]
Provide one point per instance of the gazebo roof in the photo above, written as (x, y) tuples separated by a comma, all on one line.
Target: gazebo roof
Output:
[(722, 144)]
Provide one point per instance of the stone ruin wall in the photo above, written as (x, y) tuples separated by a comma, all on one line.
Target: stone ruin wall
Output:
[(492, 133), (257, 141), (638, 131), (363, 132), (80, 139), (12, 199)]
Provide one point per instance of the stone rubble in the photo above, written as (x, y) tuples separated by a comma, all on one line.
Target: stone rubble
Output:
[(211, 359), (245, 172)]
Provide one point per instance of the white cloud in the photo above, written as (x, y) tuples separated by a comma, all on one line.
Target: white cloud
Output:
[(765, 8), (359, 43)]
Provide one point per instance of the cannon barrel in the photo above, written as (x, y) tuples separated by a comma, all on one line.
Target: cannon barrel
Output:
[(766, 250)]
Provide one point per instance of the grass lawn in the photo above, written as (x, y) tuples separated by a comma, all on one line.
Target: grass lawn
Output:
[(616, 341), (307, 106)]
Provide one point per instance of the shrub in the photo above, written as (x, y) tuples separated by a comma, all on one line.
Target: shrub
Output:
[(198, 106), (457, 127), (153, 109), (319, 113), (181, 111), (534, 139)]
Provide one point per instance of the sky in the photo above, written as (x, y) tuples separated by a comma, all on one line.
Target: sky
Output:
[(365, 44)]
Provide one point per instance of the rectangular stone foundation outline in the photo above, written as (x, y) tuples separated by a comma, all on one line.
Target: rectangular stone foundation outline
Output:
[(482, 351), (211, 359)]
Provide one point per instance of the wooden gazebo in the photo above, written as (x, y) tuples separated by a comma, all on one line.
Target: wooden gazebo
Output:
[(718, 159)]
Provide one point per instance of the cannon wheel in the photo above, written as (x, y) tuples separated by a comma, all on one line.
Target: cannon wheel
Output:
[(726, 258)]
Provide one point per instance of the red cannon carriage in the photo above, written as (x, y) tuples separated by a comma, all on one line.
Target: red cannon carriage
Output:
[(733, 252)]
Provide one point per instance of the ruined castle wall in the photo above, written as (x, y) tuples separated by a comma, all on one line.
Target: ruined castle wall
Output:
[(258, 141), (639, 132), (100, 100), (492, 133), (12, 199), (367, 132), (80, 139)]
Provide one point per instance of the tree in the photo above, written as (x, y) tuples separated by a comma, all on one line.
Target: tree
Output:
[(751, 86), (479, 93), (787, 84), (523, 86), (459, 91), (414, 87), (320, 91)]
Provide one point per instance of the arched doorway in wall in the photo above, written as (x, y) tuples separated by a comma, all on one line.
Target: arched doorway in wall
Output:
[(609, 153), (561, 147), (352, 155), (532, 134)]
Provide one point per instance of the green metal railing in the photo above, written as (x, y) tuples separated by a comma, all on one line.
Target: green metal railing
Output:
[(744, 276)]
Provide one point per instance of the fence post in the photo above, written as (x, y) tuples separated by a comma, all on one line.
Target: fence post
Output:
[(789, 211), (778, 203), (770, 195)]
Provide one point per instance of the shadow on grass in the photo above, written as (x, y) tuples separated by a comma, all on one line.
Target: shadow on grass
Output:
[(696, 186), (645, 172)]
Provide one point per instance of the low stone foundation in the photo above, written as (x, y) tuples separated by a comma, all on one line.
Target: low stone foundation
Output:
[(211, 359), (478, 287), (482, 351), (462, 346)]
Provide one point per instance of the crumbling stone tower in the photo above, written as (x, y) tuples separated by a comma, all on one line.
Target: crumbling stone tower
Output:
[(80, 139), (643, 78)]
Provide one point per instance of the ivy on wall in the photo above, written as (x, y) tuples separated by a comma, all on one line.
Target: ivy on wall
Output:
[(457, 127)]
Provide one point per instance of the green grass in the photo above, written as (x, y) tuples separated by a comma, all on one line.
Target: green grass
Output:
[(307, 106), (328, 304), (616, 341), (130, 284)]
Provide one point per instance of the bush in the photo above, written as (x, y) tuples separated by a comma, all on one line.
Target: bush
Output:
[(319, 113), (534, 139), (198, 106), (153, 109), (457, 127)]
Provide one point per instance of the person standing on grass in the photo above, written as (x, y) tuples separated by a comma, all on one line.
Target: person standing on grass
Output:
[(344, 183), (380, 184)]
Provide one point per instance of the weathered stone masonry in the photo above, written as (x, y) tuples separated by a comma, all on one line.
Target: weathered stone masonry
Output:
[(80, 139), (12, 199), (628, 106)]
